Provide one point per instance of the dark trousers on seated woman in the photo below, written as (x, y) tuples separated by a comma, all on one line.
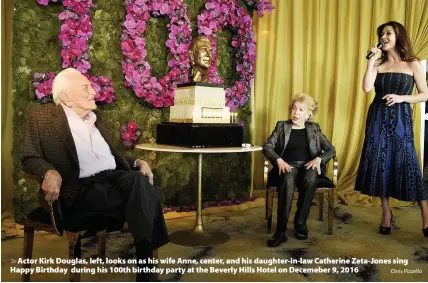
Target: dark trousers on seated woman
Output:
[(306, 181)]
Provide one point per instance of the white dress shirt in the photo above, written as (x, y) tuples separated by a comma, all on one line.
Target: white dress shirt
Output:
[(93, 151)]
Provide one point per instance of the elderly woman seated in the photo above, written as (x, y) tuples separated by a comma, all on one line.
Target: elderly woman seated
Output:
[(296, 149)]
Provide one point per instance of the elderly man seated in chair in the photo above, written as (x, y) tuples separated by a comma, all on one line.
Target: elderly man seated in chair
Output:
[(66, 146), (296, 149)]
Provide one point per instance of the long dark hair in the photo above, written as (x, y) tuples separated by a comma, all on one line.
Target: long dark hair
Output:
[(403, 46)]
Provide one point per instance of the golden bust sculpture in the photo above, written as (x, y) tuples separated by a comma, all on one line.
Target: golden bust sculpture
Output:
[(200, 54)]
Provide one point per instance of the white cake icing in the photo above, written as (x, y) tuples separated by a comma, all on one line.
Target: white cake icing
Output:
[(199, 104)]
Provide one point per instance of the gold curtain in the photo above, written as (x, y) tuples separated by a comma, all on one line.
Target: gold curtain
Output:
[(6, 105), (319, 47), (416, 17)]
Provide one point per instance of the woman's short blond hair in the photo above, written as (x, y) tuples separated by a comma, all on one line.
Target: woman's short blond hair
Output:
[(309, 101)]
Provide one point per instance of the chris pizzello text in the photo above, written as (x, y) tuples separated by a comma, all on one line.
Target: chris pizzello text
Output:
[(405, 270)]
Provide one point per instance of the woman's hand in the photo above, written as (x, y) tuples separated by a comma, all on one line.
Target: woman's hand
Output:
[(314, 164), (392, 99), (283, 166), (376, 51)]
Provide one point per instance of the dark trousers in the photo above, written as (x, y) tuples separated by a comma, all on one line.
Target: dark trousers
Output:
[(306, 181), (113, 196)]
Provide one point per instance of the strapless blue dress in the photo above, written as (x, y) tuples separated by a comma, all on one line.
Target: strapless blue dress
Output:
[(389, 164)]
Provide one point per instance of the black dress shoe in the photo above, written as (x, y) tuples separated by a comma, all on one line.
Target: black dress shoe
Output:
[(425, 231), (301, 231), (386, 230), (277, 239)]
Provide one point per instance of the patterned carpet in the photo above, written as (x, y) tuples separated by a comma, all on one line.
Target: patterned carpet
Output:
[(401, 256)]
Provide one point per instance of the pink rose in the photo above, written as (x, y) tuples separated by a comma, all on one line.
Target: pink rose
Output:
[(132, 126), (43, 2), (126, 135), (127, 45), (158, 103), (206, 30), (164, 9), (104, 80)]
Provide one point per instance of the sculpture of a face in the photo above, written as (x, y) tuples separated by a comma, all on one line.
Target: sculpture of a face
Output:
[(200, 58), (204, 56)]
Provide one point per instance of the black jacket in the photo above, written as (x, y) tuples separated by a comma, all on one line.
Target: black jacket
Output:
[(48, 144), (319, 145)]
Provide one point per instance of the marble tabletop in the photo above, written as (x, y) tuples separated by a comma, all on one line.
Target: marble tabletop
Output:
[(173, 148)]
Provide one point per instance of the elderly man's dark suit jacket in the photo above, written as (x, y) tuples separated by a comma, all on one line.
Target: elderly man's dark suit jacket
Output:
[(319, 145), (48, 144)]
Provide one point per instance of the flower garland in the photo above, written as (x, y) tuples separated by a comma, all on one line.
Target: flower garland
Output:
[(159, 93), (43, 85), (76, 30), (220, 14), (260, 6), (129, 133)]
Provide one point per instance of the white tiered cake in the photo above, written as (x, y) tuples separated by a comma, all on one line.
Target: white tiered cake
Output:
[(199, 103), (200, 118)]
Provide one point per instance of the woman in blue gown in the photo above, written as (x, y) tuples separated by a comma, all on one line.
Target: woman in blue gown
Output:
[(389, 165)]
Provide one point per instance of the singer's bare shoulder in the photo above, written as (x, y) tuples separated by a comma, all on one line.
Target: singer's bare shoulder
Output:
[(416, 67), (415, 63), (419, 77)]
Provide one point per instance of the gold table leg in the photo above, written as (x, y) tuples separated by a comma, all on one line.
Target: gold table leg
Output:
[(198, 237)]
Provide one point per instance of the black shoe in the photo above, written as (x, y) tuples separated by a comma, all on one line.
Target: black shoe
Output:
[(301, 231), (425, 231), (277, 239), (386, 230)]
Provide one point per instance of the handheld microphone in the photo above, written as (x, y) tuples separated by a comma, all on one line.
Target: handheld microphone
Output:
[(370, 55)]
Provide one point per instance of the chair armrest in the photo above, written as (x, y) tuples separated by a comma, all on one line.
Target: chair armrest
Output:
[(36, 178), (335, 170), (54, 209), (265, 173)]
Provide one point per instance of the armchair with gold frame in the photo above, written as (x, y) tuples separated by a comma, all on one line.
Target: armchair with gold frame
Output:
[(48, 218), (324, 186)]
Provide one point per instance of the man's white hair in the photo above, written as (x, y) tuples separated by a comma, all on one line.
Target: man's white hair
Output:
[(61, 82)]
